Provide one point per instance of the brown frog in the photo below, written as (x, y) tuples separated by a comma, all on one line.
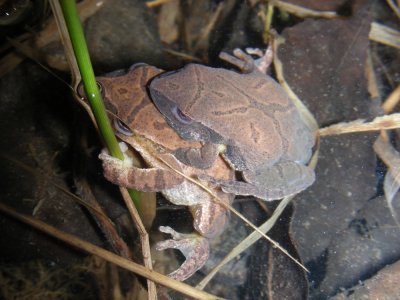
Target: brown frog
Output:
[(139, 124), (247, 117)]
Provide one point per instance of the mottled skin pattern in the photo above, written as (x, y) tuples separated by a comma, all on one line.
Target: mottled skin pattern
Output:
[(249, 114), (126, 99)]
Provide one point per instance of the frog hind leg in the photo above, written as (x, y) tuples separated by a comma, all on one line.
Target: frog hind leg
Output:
[(194, 247), (285, 178)]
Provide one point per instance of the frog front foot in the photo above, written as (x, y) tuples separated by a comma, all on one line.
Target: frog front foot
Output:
[(194, 247), (246, 63)]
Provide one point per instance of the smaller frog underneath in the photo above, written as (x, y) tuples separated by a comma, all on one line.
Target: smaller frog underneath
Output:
[(247, 117)]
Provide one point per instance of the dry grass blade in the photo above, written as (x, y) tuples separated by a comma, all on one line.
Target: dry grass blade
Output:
[(371, 76), (379, 123), (144, 238), (155, 3), (303, 12), (388, 154), (108, 256), (394, 7), (183, 55), (392, 100), (385, 35)]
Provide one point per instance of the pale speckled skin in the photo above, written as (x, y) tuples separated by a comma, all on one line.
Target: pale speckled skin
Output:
[(126, 98), (250, 114)]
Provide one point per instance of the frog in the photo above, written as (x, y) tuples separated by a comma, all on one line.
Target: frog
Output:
[(141, 128), (246, 117)]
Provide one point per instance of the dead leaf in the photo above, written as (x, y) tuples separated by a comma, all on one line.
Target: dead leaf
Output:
[(272, 275), (384, 285)]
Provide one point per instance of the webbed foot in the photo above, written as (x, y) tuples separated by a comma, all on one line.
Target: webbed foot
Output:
[(246, 63), (194, 247)]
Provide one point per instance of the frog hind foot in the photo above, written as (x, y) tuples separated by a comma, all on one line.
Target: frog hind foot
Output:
[(283, 179), (194, 247)]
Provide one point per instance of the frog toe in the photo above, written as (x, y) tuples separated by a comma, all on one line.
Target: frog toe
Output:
[(265, 58), (194, 247)]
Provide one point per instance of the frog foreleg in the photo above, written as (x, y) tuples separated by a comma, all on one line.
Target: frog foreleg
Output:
[(201, 158), (246, 63), (124, 173)]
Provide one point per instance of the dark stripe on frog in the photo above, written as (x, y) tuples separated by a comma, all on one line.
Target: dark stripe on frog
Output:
[(144, 101), (267, 110), (283, 179), (199, 89), (161, 125), (155, 182), (241, 110), (255, 134), (111, 107), (160, 179), (122, 91), (144, 78)]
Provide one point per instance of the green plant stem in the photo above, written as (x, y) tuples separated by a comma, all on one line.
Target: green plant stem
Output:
[(93, 94), (86, 70), (268, 22)]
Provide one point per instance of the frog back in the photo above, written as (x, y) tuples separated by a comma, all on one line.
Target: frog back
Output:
[(252, 115)]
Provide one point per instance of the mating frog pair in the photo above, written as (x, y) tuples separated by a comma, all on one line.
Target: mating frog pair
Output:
[(209, 123)]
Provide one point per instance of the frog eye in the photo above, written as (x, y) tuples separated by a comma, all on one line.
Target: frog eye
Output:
[(122, 128), (180, 116), (81, 91)]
